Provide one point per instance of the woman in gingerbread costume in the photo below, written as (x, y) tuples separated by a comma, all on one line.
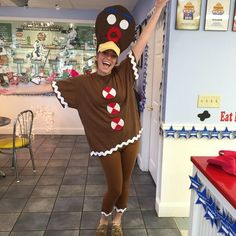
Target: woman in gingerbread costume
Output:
[(107, 106)]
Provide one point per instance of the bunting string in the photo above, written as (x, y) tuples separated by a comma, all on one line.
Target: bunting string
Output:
[(213, 212)]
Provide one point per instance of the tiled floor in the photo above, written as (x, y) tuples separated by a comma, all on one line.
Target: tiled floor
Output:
[(63, 197)]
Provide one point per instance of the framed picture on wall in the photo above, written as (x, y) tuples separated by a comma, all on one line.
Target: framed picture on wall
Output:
[(234, 21), (188, 14), (217, 15)]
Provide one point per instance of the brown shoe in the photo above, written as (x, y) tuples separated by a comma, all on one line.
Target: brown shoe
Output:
[(102, 230), (116, 230)]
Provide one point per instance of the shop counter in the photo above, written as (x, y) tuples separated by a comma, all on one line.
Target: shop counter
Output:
[(213, 200)]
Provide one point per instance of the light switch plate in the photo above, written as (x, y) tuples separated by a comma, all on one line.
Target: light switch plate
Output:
[(208, 101)]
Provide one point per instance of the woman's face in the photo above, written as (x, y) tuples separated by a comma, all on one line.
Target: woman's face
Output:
[(106, 61)]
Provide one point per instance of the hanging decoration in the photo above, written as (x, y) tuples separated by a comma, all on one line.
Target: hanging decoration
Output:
[(170, 132), (206, 133), (143, 64), (219, 219), (182, 133), (226, 133), (193, 133), (142, 93), (214, 133)]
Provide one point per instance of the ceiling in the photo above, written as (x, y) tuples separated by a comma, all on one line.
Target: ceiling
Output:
[(70, 4)]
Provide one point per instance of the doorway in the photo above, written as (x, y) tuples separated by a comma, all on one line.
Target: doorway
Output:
[(151, 146)]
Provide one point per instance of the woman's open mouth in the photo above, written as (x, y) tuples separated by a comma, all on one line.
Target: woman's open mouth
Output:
[(106, 64)]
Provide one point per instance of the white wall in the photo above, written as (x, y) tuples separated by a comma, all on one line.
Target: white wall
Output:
[(50, 116), (200, 62)]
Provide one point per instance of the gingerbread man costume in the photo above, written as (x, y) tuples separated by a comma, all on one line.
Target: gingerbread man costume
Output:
[(107, 107)]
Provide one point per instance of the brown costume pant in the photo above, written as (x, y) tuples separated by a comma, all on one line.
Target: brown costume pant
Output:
[(118, 170)]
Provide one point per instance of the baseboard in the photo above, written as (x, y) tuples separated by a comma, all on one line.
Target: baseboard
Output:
[(172, 209), (60, 131)]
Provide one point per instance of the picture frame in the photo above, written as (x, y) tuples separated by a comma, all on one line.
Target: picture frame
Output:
[(217, 15), (234, 20), (188, 13)]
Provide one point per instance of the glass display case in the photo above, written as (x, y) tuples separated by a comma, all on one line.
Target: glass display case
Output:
[(37, 52)]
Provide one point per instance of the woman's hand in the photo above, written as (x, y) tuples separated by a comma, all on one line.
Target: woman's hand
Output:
[(160, 4), (7, 91), (138, 48)]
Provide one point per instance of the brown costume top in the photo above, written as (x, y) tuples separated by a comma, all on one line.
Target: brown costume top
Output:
[(106, 105)]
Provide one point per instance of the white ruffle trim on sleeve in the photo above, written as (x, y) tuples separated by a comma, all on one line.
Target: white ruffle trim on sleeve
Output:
[(58, 94), (108, 152), (133, 62)]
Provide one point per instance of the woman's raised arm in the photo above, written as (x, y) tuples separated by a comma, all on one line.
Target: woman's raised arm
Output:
[(139, 46)]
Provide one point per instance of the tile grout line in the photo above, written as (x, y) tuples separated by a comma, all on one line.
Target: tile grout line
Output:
[(145, 227), (56, 197), (28, 197)]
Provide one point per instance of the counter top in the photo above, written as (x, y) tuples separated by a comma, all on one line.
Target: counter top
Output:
[(223, 182)]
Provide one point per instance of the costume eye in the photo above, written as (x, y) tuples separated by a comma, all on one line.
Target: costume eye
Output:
[(124, 24), (111, 19)]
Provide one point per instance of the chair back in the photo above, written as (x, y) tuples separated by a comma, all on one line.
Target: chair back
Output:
[(22, 129)]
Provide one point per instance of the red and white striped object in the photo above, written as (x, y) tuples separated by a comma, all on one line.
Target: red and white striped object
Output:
[(109, 93), (117, 123)]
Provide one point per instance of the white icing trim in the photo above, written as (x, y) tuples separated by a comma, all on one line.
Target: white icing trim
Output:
[(131, 56), (120, 210), (108, 152), (58, 94), (105, 214)]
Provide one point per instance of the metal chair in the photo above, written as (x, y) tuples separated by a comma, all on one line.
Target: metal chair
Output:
[(21, 138)]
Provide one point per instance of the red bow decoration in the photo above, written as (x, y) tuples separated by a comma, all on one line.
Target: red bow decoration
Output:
[(226, 160)]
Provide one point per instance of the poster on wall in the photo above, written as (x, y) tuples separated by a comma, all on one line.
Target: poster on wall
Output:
[(217, 15), (234, 24), (188, 14)]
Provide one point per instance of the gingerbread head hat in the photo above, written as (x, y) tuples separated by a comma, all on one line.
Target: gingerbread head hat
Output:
[(115, 29)]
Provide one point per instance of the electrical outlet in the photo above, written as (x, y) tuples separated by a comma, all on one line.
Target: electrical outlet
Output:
[(208, 101)]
